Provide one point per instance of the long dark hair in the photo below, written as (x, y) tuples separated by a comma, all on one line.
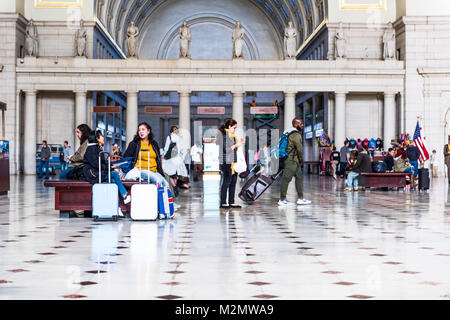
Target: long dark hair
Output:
[(228, 123), (85, 131), (150, 135)]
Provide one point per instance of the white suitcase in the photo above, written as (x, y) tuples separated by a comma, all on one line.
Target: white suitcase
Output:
[(105, 196), (144, 199)]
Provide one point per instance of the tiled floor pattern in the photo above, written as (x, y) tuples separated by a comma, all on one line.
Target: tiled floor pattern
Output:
[(373, 245)]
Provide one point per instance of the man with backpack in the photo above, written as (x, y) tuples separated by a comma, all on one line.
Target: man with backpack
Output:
[(293, 163)]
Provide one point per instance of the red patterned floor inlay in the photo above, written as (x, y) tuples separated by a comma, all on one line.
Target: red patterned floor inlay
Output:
[(305, 248), (409, 272), (47, 253), (345, 283), (175, 272), (254, 272), (259, 283), (378, 255), (178, 262), (392, 262), (33, 261), (59, 247), (5, 281), (172, 283), (360, 296), (87, 283), (96, 271), (332, 272), (68, 241), (443, 254), (169, 297), (430, 283), (251, 262), (18, 270), (265, 296), (74, 296), (446, 296)]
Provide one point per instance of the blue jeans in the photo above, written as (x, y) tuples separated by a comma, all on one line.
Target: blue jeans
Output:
[(155, 178), (408, 170), (64, 166), (44, 164), (415, 164), (352, 179), (63, 174), (115, 178)]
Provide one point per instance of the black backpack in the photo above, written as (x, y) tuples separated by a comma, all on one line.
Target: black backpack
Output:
[(172, 145)]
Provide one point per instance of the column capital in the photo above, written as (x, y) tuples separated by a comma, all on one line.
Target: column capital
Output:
[(184, 93), (290, 93), (389, 93), (80, 92), (132, 91), (30, 91), (238, 93), (341, 92)]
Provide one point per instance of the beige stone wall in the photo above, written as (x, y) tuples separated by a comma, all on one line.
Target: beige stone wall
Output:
[(12, 27)]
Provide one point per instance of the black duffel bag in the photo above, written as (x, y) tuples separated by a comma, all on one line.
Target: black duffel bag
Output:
[(379, 167)]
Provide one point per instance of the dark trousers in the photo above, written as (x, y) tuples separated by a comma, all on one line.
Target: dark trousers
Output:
[(197, 170), (341, 168), (228, 184), (44, 164)]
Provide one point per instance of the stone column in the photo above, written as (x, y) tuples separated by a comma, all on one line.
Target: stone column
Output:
[(29, 146), (184, 114), (132, 114), (289, 109), (390, 115), (80, 112), (340, 121), (238, 111)]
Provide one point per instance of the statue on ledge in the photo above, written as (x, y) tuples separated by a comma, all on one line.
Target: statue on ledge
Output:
[(31, 39), (340, 43), (185, 41), (80, 41), (290, 40), (389, 44), (238, 41), (132, 33)]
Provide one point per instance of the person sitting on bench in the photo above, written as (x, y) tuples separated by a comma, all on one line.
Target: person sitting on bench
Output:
[(363, 165)]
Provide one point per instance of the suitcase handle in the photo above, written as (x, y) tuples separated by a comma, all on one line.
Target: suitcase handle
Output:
[(100, 167), (148, 164)]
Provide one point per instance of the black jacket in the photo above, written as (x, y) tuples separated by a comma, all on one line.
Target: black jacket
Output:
[(90, 160), (389, 160), (133, 152), (363, 163), (413, 153)]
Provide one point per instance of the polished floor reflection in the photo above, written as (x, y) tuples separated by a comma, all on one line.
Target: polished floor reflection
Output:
[(365, 245)]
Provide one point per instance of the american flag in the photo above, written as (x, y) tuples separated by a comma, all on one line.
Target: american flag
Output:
[(424, 155)]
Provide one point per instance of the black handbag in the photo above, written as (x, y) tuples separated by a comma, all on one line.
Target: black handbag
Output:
[(172, 145)]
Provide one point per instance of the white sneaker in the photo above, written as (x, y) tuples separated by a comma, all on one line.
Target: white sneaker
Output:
[(127, 199), (283, 202), (334, 177), (121, 213), (303, 202), (348, 189), (176, 206)]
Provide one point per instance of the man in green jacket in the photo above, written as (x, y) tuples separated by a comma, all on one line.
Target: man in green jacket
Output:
[(293, 164)]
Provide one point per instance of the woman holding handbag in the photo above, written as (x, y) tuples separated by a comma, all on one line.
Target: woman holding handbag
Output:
[(228, 157), (173, 159)]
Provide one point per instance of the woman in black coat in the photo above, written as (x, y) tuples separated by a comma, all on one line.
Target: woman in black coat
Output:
[(91, 162)]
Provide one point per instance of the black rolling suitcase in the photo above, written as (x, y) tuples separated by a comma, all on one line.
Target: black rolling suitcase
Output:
[(424, 179), (256, 186)]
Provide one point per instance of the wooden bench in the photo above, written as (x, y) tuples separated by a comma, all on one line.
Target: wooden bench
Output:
[(385, 180), (313, 164), (77, 195)]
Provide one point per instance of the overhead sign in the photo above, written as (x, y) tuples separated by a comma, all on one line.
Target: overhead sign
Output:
[(210, 110), (263, 110), (158, 110), (106, 109)]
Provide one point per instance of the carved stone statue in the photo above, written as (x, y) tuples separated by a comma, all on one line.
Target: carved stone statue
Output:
[(340, 43), (238, 41), (185, 41), (80, 41), (290, 40), (31, 39), (389, 44), (132, 34)]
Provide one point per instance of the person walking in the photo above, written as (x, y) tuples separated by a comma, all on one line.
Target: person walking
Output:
[(447, 158), (196, 155), (228, 145), (173, 160), (293, 164), (45, 160)]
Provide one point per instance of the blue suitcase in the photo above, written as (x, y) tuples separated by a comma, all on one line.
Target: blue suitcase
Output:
[(165, 203), (105, 197)]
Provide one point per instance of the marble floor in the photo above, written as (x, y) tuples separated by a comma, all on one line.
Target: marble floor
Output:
[(365, 245)]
